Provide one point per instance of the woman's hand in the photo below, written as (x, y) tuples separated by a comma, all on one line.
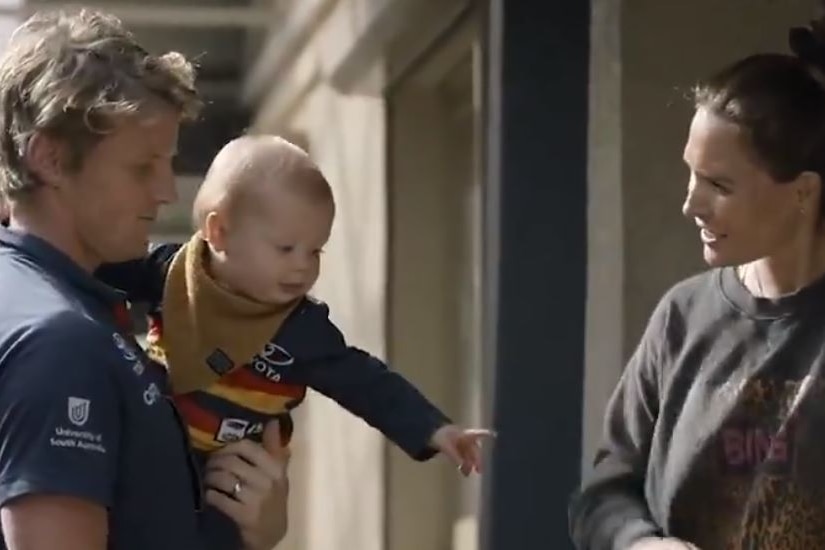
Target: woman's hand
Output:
[(248, 482), (658, 543)]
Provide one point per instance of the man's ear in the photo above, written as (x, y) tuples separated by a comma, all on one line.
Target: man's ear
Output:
[(215, 230), (45, 159)]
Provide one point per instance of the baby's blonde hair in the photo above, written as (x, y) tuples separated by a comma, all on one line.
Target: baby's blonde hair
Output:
[(246, 163)]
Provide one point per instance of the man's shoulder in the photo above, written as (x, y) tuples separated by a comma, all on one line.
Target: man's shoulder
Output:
[(39, 314), (62, 350), (29, 296), (18, 266), (64, 329)]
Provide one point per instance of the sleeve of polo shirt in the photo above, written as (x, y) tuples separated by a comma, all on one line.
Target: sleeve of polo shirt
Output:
[(60, 420)]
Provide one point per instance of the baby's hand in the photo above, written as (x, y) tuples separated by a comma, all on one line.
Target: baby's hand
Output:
[(461, 445)]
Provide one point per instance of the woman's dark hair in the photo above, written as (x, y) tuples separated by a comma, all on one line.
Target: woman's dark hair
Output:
[(779, 102)]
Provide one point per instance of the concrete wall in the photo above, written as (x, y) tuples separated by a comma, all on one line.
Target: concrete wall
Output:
[(645, 56), (345, 488), (433, 338), (339, 475), (351, 490), (337, 498)]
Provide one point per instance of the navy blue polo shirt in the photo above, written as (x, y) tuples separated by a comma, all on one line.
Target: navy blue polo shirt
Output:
[(83, 412)]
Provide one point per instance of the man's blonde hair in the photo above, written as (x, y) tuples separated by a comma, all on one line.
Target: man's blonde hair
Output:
[(72, 75)]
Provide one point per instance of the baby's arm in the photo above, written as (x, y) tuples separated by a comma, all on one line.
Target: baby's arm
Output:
[(366, 387), (363, 384), (387, 401), (142, 279)]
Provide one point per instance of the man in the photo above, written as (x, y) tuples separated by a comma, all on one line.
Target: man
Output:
[(92, 453)]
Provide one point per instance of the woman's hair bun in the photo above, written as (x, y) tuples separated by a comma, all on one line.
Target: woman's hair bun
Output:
[(808, 43)]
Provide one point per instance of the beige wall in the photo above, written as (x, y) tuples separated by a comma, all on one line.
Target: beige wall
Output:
[(433, 336), (642, 68), (332, 94), (339, 472), (351, 490), (337, 496), (435, 274), (422, 339)]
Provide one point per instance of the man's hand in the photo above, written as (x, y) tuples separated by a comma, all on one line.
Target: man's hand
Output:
[(462, 446), (658, 543), (256, 476)]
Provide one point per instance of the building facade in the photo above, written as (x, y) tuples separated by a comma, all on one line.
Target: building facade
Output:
[(458, 253), (508, 178)]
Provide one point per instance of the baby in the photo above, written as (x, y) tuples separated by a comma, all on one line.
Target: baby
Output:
[(232, 321)]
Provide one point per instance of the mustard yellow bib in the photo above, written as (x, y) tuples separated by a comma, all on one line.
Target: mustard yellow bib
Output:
[(206, 330)]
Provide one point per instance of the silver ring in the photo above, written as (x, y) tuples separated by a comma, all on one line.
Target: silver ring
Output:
[(236, 489)]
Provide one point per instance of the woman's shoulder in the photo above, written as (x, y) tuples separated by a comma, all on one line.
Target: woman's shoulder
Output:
[(699, 286), (694, 298)]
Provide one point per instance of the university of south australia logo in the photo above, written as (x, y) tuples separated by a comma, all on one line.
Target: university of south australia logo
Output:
[(78, 410)]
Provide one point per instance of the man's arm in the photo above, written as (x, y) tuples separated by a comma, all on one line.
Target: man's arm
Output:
[(610, 511), (55, 488), (143, 279), (49, 521)]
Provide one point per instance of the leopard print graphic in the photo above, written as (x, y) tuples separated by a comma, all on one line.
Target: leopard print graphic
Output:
[(760, 499)]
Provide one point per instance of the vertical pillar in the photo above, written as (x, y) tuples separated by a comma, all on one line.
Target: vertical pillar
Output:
[(535, 267)]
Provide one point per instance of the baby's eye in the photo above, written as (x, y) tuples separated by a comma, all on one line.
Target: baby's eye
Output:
[(286, 249)]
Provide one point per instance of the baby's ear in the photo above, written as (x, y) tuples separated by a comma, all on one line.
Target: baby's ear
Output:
[(214, 231)]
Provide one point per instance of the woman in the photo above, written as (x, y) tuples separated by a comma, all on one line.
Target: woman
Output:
[(713, 437)]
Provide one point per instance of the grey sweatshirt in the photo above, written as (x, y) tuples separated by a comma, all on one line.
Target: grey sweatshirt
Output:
[(716, 431)]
